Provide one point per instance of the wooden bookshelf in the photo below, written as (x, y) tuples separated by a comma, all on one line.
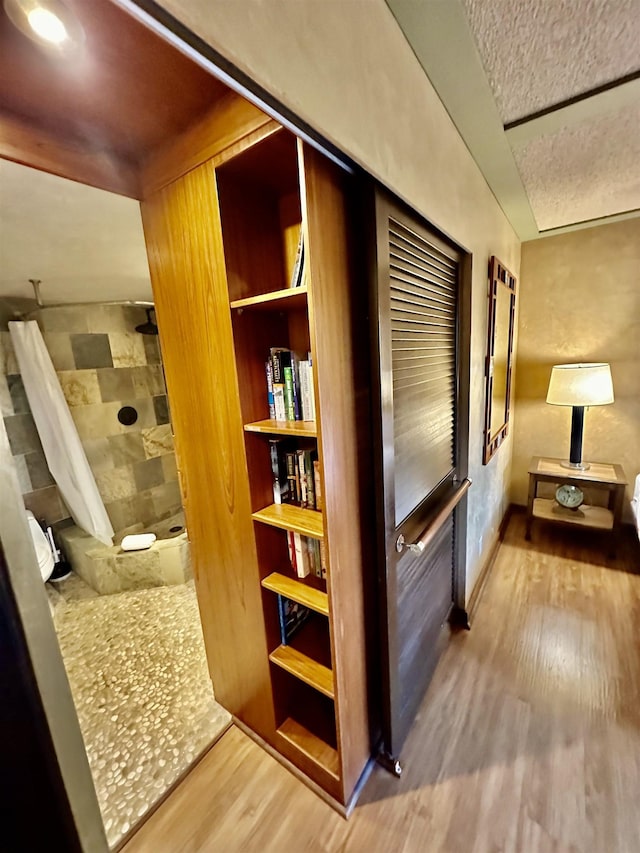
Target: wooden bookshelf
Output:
[(309, 522), (276, 300), (296, 429), (223, 305), (296, 663), (312, 598), (311, 746)]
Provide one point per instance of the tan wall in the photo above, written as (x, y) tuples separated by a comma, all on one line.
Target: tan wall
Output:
[(579, 301), (346, 68)]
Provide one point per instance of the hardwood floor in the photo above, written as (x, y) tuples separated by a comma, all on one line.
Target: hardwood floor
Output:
[(527, 741)]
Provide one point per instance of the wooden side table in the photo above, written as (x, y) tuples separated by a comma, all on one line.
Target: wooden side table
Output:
[(604, 477)]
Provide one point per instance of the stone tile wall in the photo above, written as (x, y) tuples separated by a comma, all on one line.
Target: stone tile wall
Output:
[(103, 364)]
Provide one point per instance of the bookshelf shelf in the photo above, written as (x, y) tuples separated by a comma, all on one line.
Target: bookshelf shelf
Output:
[(305, 668), (298, 429), (312, 747), (274, 301), (308, 522), (296, 591)]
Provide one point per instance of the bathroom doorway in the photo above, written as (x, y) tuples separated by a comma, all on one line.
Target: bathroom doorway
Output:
[(127, 621)]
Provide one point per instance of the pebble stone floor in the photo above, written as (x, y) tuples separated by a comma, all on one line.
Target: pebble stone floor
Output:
[(137, 669)]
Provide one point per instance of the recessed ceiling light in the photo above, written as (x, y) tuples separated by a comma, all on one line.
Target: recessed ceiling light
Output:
[(49, 23)]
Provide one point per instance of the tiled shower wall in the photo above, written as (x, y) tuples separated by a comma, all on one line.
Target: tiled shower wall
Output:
[(103, 364)]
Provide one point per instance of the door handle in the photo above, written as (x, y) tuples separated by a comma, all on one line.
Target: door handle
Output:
[(430, 531)]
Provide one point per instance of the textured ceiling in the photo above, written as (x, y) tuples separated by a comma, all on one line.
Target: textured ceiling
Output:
[(86, 245), (584, 172), (546, 95), (538, 53)]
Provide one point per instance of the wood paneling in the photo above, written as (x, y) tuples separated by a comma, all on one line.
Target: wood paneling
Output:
[(119, 98), (527, 740), (227, 127), (334, 305), (183, 234), (66, 156)]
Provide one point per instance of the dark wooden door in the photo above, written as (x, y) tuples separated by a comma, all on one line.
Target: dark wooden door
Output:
[(419, 448)]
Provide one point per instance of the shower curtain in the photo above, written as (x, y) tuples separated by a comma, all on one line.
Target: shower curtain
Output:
[(60, 440)]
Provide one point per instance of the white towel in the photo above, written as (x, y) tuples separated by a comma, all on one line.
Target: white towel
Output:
[(138, 541), (635, 504)]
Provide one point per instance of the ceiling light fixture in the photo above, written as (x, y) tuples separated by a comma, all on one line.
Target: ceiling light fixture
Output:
[(49, 23)]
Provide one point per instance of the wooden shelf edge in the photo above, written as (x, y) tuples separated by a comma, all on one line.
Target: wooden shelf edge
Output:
[(308, 522), (301, 429), (311, 746), (313, 598), (267, 300), (594, 517), (303, 667)]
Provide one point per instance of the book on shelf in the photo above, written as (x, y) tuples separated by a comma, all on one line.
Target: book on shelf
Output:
[(294, 472), (279, 470), (307, 400), (306, 555), (301, 549), (270, 398), (289, 386), (316, 485), (292, 617), (297, 274)]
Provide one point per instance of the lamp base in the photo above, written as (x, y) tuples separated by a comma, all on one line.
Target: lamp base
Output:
[(576, 466)]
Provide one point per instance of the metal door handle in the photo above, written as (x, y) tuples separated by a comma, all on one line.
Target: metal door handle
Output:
[(430, 531)]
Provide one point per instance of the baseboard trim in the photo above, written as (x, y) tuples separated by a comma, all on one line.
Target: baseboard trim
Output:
[(485, 571), (336, 805)]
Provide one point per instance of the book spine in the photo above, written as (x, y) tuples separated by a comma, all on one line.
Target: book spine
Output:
[(291, 545), (289, 406), (280, 482), (308, 468), (270, 400), (323, 559), (282, 618), (296, 274), (302, 558), (278, 402), (292, 477), (303, 372), (302, 475), (295, 387), (316, 484), (312, 399)]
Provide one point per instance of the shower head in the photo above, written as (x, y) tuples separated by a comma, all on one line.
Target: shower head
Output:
[(148, 328)]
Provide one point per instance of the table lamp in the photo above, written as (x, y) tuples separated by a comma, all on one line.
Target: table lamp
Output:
[(579, 385)]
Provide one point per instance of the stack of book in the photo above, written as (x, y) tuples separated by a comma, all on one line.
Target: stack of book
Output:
[(289, 386), (296, 475), (306, 555), (292, 617)]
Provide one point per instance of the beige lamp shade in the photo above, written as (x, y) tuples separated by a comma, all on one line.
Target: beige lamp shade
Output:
[(580, 385)]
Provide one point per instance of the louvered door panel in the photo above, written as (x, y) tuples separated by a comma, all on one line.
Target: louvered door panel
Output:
[(424, 599), (421, 483), (423, 286)]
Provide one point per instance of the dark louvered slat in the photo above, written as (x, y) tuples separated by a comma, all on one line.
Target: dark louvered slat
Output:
[(423, 338), (415, 247)]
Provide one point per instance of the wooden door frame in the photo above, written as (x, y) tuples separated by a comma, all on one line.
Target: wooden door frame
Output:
[(379, 203)]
